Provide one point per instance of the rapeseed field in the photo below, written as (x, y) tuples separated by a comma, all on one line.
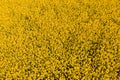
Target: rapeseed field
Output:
[(59, 39)]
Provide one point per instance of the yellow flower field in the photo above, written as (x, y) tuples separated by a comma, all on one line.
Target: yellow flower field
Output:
[(59, 39)]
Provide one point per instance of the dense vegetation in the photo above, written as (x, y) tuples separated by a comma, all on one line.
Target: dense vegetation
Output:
[(59, 40)]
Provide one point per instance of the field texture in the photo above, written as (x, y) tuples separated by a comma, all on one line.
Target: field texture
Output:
[(59, 39)]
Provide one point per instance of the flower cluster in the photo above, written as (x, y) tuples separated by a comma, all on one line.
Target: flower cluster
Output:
[(59, 40)]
